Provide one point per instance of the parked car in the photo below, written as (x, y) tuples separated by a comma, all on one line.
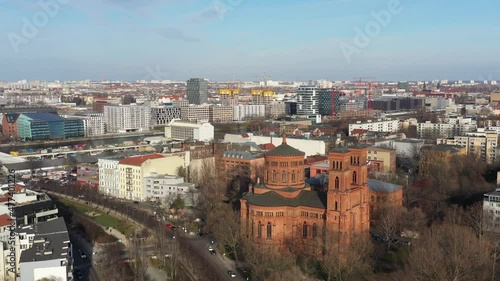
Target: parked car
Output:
[(231, 274)]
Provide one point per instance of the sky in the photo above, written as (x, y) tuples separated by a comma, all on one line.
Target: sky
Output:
[(246, 39)]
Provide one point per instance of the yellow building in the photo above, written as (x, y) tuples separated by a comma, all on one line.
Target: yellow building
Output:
[(132, 170), (481, 144), (495, 97), (438, 154), (381, 160)]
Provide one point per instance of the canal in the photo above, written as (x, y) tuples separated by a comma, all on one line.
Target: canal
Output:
[(88, 143)]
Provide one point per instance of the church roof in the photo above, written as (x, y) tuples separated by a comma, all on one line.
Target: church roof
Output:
[(382, 187), (285, 150), (305, 198)]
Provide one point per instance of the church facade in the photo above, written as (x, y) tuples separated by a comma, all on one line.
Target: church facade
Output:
[(282, 210)]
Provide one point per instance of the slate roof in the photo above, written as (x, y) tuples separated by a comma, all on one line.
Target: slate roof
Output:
[(341, 149), (305, 198), (44, 116), (11, 117), (443, 147), (285, 150), (382, 187), (55, 233)]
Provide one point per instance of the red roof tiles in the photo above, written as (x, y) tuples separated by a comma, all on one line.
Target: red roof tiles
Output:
[(138, 160), (5, 220)]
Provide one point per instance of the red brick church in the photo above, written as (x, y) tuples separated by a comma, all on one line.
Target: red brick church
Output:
[(282, 209)]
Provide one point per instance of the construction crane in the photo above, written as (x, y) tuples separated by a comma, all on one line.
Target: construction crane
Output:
[(264, 78), (361, 85)]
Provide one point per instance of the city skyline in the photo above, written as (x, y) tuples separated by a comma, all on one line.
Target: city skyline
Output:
[(219, 40)]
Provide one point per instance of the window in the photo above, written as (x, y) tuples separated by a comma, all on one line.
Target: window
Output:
[(314, 230), (354, 177), (259, 213), (259, 230), (304, 230), (337, 183), (268, 214), (280, 214), (336, 205), (269, 230), (283, 176), (293, 176), (373, 198), (274, 175)]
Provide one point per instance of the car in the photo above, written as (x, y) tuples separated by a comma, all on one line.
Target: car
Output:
[(78, 274), (82, 254), (210, 248), (231, 274), (212, 252)]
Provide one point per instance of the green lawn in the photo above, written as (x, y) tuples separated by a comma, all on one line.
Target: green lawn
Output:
[(107, 221), (79, 207)]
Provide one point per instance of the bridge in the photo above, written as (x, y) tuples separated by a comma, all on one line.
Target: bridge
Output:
[(85, 151)]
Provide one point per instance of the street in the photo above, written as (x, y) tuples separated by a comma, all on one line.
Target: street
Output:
[(84, 265)]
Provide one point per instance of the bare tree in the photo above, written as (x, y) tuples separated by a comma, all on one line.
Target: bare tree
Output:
[(264, 261), (346, 261), (389, 222), (224, 224), (449, 252)]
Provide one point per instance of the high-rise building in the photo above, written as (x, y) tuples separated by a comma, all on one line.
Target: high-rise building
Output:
[(197, 90), (307, 100), (127, 118), (325, 102)]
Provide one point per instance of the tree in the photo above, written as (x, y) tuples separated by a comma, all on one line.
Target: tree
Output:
[(265, 262), (449, 252), (345, 261), (224, 224), (389, 222), (181, 172), (178, 203), (51, 278)]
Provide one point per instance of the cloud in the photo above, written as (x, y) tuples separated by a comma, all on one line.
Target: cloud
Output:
[(176, 34), (204, 16)]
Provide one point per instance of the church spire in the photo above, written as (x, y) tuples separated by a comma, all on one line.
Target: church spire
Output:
[(284, 139)]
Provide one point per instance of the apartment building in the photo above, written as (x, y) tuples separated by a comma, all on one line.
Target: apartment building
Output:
[(166, 188), (381, 160), (380, 125), (93, 124), (481, 144), (229, 97), (180, 103), (195, 113), (491, 209), (260, 97), (240, 163), (275, 109), (162, 115), (244, 111), (221, 114), (46, 251), (430, 130), (132, 170), (183, 130), (307, 100), (127, 118)]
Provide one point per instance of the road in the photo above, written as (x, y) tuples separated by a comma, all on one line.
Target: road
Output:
[(84, 265)]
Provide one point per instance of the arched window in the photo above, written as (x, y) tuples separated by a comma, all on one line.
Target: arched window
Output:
[(336, 205), (340, 166), (314, 230), (269, 230), (283, 176), (274, 175), (354, 177), (259, 230), (383, 199), (294, 179), (337, 183), (304, 230), (373, 198)]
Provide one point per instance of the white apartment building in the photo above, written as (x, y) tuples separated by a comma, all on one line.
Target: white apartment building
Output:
[(127, 118), (404, 147), (162, 115), (184, 130), (245, 111), (482, 144), (307, 100), (132, 170), (166, 188), (195, 113), (380, 125), (221, 114), (491, 209), (430, 130), (108, 175), (93, 123)]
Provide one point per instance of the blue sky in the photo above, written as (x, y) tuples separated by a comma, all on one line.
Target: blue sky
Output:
[(219, 39)]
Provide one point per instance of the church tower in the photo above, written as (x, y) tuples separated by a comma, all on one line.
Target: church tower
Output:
[(347, 195)]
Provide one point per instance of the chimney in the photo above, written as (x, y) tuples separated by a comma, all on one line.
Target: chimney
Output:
[(284, 138)]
